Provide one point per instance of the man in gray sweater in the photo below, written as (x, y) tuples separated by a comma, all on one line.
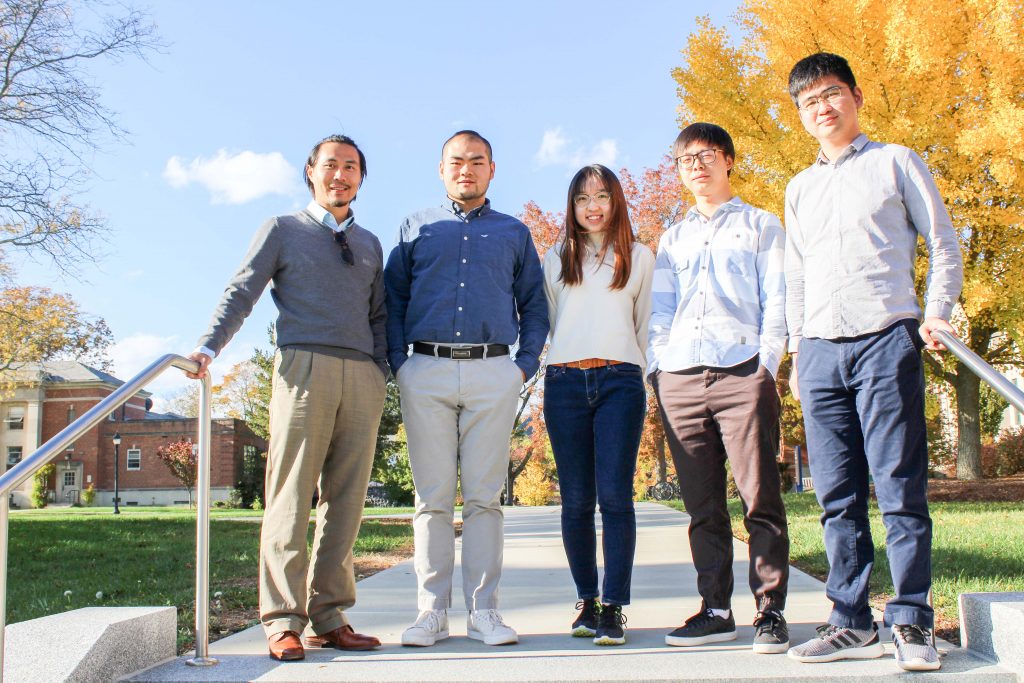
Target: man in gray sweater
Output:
[(329, 384)]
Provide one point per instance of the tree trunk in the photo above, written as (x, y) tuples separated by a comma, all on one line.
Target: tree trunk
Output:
[(968, 391)]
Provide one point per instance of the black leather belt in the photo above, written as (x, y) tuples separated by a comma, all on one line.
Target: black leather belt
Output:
[(455, 353)]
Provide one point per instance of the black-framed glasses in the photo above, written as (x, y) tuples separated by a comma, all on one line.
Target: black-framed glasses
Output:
[(705, 156), (828, 95), (346, 251)]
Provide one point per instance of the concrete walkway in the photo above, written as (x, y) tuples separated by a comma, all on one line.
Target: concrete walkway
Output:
[(538, 600)]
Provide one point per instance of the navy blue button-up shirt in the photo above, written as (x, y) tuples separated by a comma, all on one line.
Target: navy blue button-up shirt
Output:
[(465, 278)]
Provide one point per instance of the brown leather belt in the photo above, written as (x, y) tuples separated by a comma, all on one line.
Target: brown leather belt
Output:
[(588, 363)]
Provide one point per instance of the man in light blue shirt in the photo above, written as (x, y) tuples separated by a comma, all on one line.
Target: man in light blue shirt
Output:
[(717, 333)]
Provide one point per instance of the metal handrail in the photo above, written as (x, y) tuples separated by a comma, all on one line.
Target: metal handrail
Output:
[(17, 475), (995, 379)]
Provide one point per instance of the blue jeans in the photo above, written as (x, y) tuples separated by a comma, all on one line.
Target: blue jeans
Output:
[(863, 403), (594, 420)]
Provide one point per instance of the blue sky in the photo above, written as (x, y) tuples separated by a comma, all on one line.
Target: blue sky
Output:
[(220, 123)]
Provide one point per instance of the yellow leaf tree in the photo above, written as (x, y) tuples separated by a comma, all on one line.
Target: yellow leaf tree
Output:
[(943, 77)]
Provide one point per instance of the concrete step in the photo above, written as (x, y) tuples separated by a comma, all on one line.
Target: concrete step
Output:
[(89, 644), (992, 625), (538, 599)]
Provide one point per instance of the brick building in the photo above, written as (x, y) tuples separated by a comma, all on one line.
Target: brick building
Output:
[(49, 396)]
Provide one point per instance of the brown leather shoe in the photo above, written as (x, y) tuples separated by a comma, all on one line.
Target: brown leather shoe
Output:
[(343, 638), (285, 646)]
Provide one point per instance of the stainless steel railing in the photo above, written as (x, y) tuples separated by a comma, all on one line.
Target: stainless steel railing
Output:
[(979, 367), (18, 474)]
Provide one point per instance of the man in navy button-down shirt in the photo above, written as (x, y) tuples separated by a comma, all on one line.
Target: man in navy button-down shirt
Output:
[(463, 285)]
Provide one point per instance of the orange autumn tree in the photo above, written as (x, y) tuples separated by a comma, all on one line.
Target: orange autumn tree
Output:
[(655, 202)]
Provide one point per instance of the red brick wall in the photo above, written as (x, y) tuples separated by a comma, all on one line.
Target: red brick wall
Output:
[(95, 450), (228, 437)]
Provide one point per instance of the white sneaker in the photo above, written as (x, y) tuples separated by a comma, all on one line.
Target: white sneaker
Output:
[(431, 626), (486, 625)]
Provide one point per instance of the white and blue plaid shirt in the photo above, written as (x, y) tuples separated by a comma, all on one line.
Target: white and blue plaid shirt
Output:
[(719, 292)]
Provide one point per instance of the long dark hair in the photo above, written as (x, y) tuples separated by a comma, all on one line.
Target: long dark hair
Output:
[(618, 236)]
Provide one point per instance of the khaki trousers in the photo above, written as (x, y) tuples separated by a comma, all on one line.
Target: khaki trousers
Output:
[(458, 418), (324, 414)]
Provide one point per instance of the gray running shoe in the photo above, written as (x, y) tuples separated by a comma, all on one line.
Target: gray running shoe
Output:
[(914, 651), (838, 642), (771, 635)]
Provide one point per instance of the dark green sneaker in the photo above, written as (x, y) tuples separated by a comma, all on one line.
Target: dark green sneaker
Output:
[(610, 626), (585, 625)]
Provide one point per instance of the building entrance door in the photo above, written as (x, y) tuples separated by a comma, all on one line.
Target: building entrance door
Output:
[(69, 483)]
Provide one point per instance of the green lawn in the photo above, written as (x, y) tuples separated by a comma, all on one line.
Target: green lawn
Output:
[(62, 560), (976, 547), (173, 511)]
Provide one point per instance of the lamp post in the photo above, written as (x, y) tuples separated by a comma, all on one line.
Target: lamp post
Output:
[(117, 464)]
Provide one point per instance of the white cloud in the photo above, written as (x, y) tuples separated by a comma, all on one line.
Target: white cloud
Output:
[(558, 150), (235, 178)]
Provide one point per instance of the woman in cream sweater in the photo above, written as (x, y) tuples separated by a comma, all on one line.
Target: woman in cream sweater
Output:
[(598, 286)]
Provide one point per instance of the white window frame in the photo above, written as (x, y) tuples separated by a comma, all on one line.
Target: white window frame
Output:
[(137, 454), (73, 477), (15, 416)]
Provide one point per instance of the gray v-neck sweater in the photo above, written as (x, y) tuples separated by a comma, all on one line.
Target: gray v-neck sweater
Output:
[(323, 303)]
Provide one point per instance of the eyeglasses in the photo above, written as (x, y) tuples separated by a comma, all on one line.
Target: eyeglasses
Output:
[(828, 96), (601, 199), (706, 157), (346, 251)]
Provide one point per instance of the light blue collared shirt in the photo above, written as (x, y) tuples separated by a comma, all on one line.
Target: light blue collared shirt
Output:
[(719, 291), (327, 218), (851, 228)]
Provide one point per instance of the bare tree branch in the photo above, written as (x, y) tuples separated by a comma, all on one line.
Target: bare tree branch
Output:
[(51, 115)]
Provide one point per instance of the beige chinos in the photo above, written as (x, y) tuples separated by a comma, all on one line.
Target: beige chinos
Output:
[(458, 417), (324, 413)]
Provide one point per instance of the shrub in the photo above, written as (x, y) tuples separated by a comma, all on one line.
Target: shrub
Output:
[(257, 503), (396, 478), (534, 486), (236, 498), (41, 485), (1009, 458), (89, 495)]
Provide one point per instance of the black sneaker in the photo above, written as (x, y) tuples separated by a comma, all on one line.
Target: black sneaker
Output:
[(702, 628), (771, 635), (610, 629), (585, 625)]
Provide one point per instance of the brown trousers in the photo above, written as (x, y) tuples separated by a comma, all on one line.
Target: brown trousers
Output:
[(324, 414), (711, 414)]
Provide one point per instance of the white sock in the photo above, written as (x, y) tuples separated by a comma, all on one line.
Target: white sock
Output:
[(723, 613)]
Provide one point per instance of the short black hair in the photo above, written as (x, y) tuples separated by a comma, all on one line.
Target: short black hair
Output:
[(714, 135), (814, 68), (472, 134), (340, 139)]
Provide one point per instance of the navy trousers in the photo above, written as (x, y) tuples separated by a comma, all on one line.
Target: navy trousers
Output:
[(594, 419), (863, 404)]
